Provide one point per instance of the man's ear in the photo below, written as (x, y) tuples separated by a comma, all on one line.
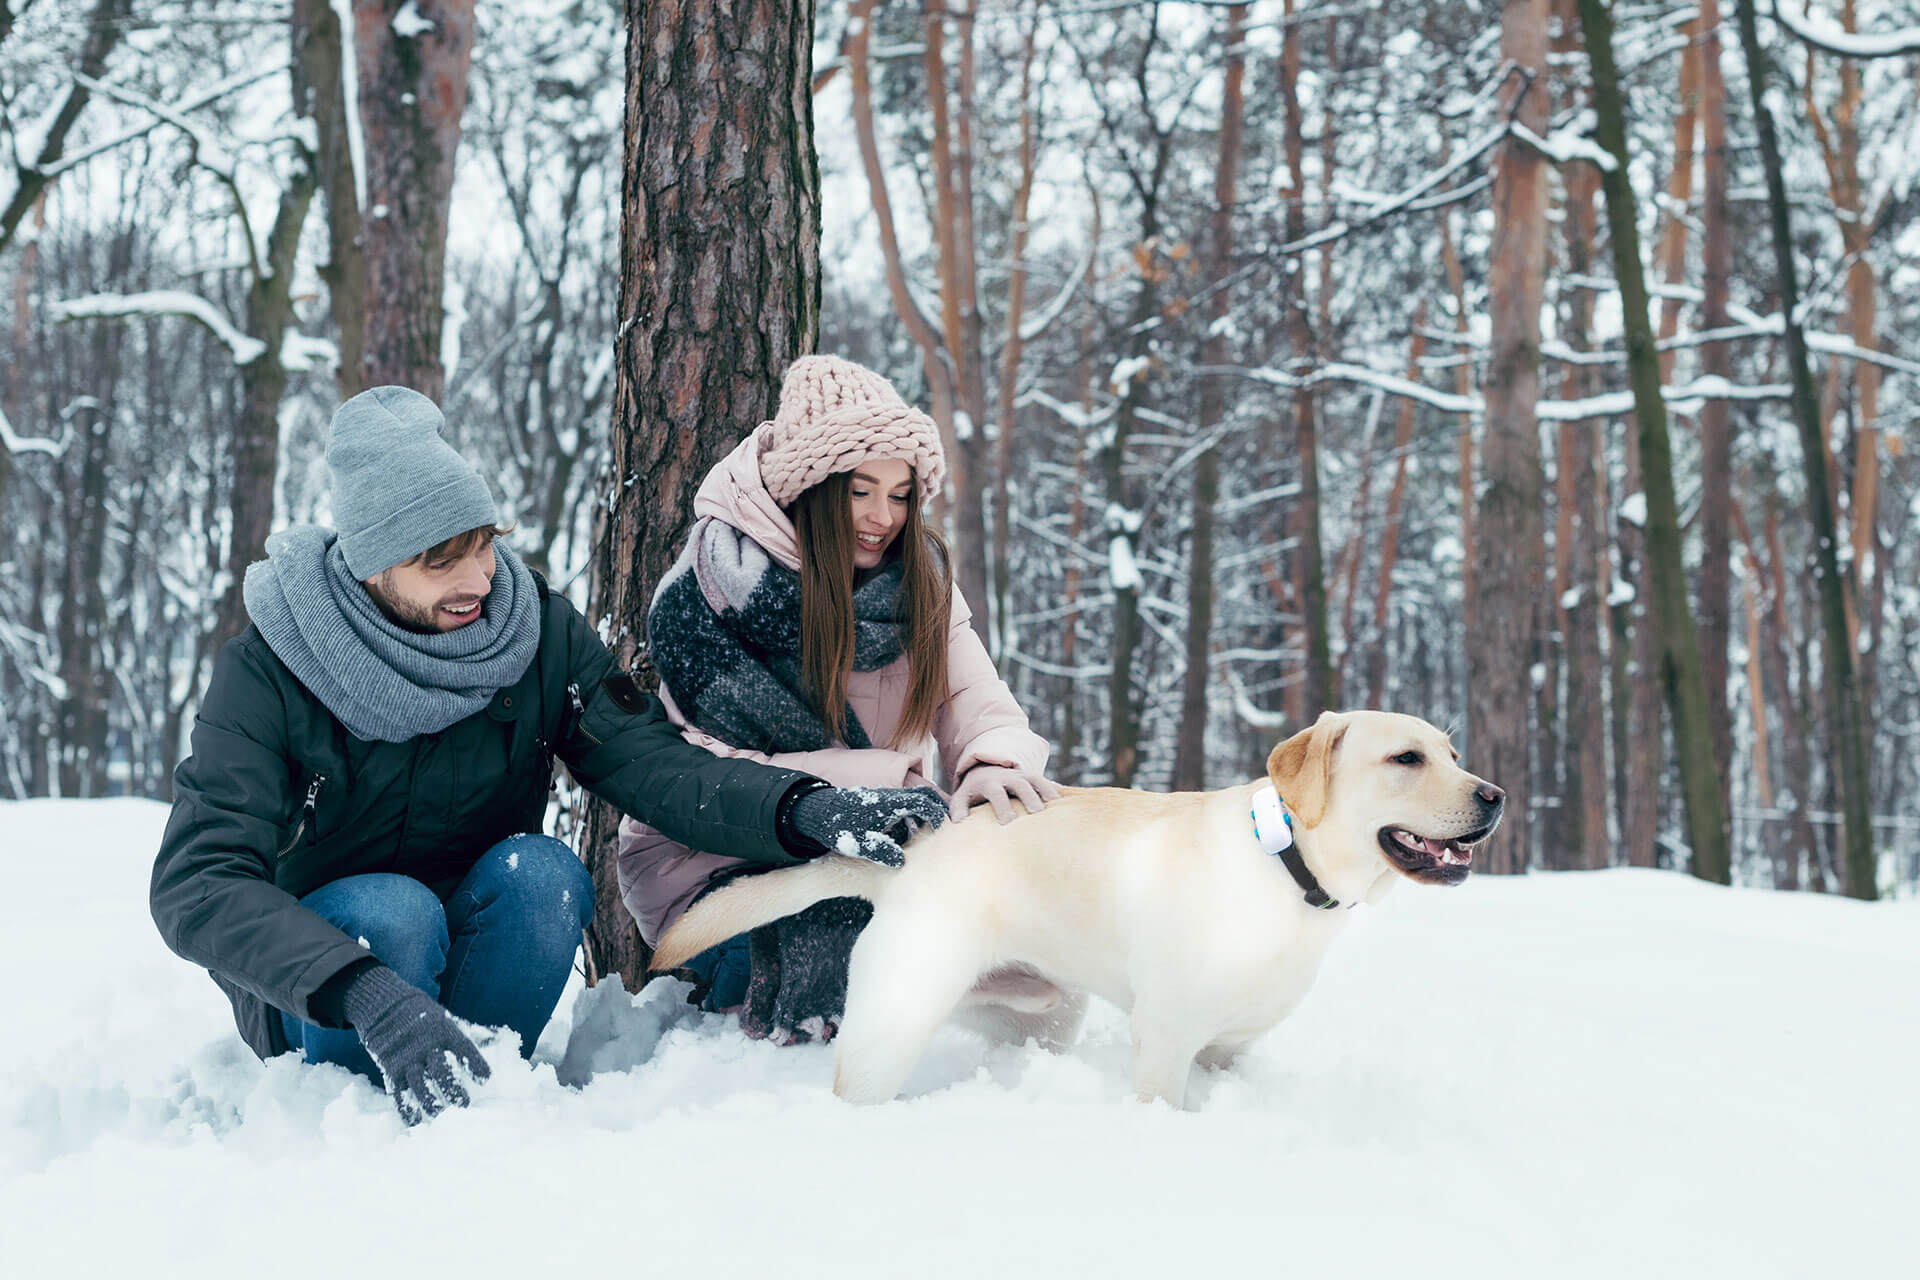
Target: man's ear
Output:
[(1301, 768)]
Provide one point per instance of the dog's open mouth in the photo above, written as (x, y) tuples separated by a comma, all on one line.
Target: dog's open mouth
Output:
[(1433, 861)]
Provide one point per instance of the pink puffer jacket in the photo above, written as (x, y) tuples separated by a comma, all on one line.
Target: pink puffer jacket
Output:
[(978, 724)]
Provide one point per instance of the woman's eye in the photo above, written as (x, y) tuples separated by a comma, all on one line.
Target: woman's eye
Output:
[(900, 498)]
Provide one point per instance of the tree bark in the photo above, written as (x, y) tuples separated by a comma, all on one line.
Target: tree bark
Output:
[(263, 381), (719, 292), (1681, 666), (1190, 753), (1510, 572), (1580, 837), (1714, 586), (1845, 706), (960, 321), (1010, 353), (388, 239), (1390, 535), (1315, 692)]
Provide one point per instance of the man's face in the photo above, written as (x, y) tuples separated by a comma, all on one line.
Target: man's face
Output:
[(436, 595)]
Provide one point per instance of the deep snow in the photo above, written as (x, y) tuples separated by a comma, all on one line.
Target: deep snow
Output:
[(1611, 1074)]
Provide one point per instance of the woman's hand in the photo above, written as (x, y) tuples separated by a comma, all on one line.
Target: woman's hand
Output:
[(1000, 786)]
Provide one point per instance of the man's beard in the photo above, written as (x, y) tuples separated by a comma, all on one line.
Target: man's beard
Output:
[(411, 617)]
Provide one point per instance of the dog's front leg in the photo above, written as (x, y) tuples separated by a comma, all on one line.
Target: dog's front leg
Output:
[(1163, 1054)]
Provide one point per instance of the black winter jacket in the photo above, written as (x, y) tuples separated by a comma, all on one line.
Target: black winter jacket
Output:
[(277, 799)]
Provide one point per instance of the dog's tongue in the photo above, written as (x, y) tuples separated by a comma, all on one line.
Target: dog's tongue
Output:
[(1445, 850)]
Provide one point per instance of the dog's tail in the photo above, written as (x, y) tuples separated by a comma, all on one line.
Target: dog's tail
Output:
[(752, 901)]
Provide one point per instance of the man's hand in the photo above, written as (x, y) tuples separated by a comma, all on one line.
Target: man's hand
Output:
[(868, 822), (1000, 787), (427, 1059)]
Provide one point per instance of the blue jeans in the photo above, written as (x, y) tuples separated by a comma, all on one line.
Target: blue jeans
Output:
[(497, 952)]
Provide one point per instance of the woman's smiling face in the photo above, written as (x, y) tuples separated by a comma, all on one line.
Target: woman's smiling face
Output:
[(880, 492)]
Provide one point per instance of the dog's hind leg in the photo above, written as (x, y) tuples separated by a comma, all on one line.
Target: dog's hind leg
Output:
[(908, 971)]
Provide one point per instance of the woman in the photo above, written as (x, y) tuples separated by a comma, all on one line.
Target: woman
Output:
[(811, 623)]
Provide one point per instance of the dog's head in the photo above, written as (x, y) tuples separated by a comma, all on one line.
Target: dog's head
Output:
[(1393, 780)]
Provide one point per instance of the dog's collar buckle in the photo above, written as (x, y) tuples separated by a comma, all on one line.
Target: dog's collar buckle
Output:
[(1273, 828)]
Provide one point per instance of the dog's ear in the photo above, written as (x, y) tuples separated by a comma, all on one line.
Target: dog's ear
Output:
[(1301, 768)]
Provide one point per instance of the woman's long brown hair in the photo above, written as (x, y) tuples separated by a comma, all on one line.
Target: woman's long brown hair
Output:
[(823, 518)]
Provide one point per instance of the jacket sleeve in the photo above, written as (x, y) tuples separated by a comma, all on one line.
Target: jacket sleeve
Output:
[(622, 747), (980, 723), (213, 894)]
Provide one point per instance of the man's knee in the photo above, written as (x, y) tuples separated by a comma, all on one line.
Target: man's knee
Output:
[(396, 917), (542, 872)]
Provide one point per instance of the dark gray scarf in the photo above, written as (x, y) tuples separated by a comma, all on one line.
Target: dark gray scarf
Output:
[(724, 631), (385, 683)]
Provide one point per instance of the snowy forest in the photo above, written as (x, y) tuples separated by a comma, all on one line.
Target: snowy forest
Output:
[(1531, 367)]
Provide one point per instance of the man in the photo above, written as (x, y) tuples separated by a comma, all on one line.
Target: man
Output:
[(354, 850)]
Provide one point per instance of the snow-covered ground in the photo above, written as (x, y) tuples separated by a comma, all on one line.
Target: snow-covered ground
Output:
[(1622, 1074)]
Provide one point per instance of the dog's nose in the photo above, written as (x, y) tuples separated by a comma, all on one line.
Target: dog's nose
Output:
[(1488, 794)]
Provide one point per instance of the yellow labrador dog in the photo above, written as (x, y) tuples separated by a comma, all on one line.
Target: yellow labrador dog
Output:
[(1203, 914)]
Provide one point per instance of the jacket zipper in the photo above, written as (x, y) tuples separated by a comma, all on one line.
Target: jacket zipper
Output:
[(580, 712), (306, 814)]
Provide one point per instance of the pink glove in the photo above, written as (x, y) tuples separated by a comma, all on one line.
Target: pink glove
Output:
[(1000, 787)]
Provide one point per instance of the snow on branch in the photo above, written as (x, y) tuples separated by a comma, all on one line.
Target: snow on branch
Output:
[(18, 445), (194, 103), (1571, 143), (1685, 399), (1072, 414), (102, 306), (207, 152), (1822, 33)]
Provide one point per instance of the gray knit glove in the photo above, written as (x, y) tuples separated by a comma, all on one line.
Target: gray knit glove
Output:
[(868, 822), (417, 1045)]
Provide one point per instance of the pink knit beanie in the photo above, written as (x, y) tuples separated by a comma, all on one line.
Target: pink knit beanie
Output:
[(835, 415)]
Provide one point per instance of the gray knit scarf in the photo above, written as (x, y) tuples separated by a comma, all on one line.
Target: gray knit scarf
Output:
[(385, 683), (724, 632)]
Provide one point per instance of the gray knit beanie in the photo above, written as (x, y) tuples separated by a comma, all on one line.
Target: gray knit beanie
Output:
[(398, 488)]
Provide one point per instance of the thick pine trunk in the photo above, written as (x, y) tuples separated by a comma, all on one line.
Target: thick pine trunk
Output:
[(256, 435), (1845, 707), (1680, 667), (387, 229), (1510, 570), (1314, 692), (1390, 534), (1714, 586), (719, 292), (1190, 755)]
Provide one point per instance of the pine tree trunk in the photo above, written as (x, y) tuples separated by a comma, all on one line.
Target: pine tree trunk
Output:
[(1190, 755), (1681, 666), (1315, 692), (1390, 534), (1011, 350), (1580, 837), (388, 233), (719, 292), (1510, 570), (1714, 585), (1846, 711), (263, 382)]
